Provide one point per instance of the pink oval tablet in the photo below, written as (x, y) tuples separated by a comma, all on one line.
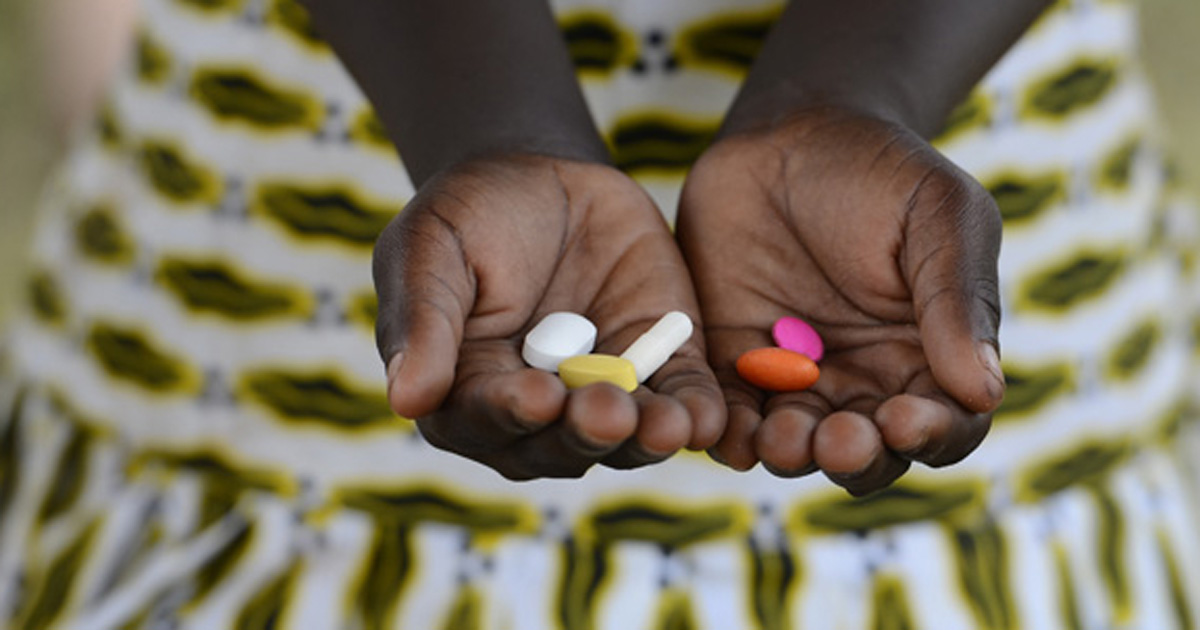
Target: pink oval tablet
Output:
[(796, 335)]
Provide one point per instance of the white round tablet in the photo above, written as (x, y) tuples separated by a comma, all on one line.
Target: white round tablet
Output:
[(558, 337)]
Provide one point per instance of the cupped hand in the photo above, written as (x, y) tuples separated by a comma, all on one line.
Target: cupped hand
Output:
[(477, 258), (862, 229)]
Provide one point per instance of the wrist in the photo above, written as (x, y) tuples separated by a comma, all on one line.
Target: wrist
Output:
[(772, 104), (908, 63), (499, 144), (459, 78)]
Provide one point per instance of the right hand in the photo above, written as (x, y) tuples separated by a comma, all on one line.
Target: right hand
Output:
[(483, 252)]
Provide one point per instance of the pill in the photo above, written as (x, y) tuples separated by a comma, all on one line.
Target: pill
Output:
[(650, 351), (777, 369), (796, 335), (557, 337), (598, 368)]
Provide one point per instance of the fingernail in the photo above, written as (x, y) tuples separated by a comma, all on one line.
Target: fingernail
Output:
[(990, 360)]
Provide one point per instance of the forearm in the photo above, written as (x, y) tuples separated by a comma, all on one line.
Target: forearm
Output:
[(909, 61), (456, 78)]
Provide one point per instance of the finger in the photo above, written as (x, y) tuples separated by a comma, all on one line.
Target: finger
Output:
[(664, 427), (935, 431), (688, 379), (743, 402), (850, 450), (490, 411), (953, 243), (598, 419), (425, 293), (735, 448), (686, 376), (784, 440)]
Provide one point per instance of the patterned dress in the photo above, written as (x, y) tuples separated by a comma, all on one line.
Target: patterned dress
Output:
[(194, 431)]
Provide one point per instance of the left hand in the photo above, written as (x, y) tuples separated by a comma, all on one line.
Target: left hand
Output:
[(859, 227)]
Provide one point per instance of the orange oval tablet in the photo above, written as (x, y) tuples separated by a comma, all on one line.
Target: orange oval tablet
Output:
[(777, 369)]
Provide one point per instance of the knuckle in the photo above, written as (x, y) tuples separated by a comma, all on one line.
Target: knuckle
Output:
[(959, 202), (987, 297), (943, 187), (388, 244), (696, 376)]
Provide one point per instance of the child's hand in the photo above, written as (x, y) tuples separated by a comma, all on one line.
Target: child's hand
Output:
[(889, 250), (478, 257)]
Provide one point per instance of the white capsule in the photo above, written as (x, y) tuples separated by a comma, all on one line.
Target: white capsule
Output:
[(656, 345), (558, 337)]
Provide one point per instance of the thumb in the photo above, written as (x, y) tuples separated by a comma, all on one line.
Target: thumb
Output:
[(950, 260), (425, 293)]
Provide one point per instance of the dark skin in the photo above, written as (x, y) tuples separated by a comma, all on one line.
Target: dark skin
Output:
[(486, 250), (512, 176), (888, 250), (455, 80), (518, 215), (861, 228)]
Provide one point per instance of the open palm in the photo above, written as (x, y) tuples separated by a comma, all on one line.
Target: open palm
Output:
[(478, 257), (862, 229)]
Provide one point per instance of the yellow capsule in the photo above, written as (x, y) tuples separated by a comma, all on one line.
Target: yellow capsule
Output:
[(598, 368)]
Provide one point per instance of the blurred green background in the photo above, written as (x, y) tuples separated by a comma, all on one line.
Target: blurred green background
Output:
[(34, 112)]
